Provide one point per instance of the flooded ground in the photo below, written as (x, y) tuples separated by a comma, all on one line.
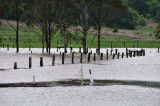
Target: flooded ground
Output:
[(137, 68), (145, 68), (80, 96)]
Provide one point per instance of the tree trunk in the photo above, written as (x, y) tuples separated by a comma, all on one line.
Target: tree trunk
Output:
[(47, 44), (17, 30), (43, 43), (99, 40), (84, 40), (65, 44)]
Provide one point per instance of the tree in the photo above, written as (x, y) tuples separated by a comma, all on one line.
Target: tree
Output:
[(83, 8), (103, 11), (16, 9), (43, 15), (65, 19), (157, 33), (139, 5)]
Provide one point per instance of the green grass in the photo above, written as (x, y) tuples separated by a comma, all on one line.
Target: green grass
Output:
[(7, 36)]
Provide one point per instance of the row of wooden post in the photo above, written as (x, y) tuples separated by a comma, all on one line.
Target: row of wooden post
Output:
[(129, 53)]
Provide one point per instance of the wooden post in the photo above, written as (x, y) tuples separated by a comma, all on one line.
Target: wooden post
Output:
[(53, 60), (111, 51), (116, 51), (80, 50), (126, 51), (71, 48), (127, 54), (87, 50), (91, 52), (101, 57), (89, 57), (158, 50), (63, 58), (30, 62), (134, 53), (118, 55), (57, 45), (94, 57), (113, 56), (8, 47), (107, 54), (41, 61), (73, 58), (81, 58), (122, 55), (143, 52), (15, 65), (130, 53)]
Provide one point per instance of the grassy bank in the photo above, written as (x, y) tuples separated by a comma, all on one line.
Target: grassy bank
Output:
[(33, 39)]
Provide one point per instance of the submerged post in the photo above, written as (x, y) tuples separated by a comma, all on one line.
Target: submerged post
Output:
[(15, 65), (71, 48), (53, 60), (118, 55), (41, 61), (81, 58), (73, 58), (57, 45), (101, 56), (122, 55), (80, 50), (89, 56), (107, 54), (116, 51), (94, 57), (30, 62), (113, 56), (63, 58)]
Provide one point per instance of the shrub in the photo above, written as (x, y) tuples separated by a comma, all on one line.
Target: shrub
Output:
[(115, 30)]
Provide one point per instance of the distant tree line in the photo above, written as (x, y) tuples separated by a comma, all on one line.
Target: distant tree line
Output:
[(50, 16)]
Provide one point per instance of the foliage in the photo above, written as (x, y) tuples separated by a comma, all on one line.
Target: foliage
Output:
[(157, 33)]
